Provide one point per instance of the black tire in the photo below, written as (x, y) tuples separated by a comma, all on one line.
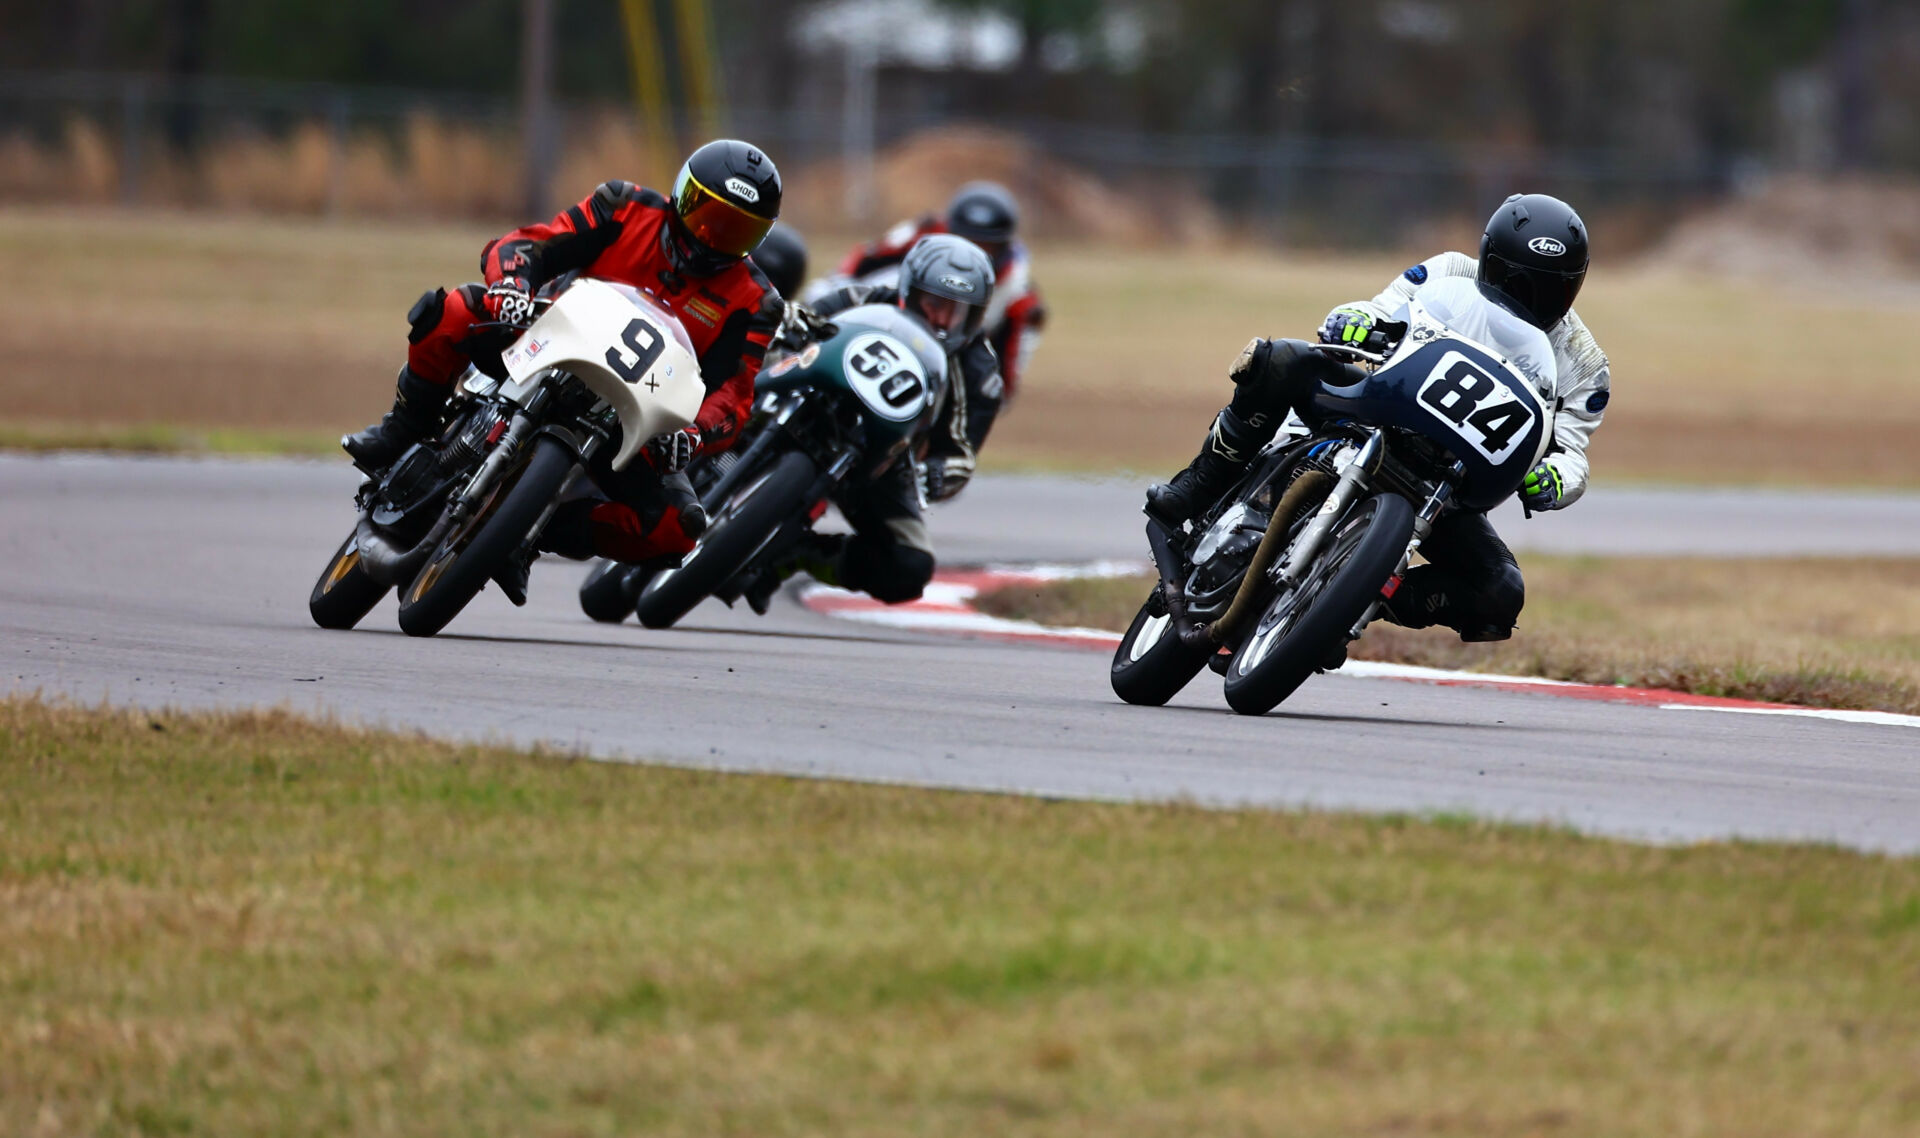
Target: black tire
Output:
[(465, 559), (1152, 663), (345, 591), (608, 593), (1299, 629), (740, 528)]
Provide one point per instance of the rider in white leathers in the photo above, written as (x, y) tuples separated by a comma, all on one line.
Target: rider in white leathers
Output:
[(1533, 258)]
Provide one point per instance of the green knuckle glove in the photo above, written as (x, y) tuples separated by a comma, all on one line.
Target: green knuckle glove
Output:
[(1542, 489), (1348, 326)]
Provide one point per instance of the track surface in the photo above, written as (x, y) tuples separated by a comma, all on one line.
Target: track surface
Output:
[(165, 582)]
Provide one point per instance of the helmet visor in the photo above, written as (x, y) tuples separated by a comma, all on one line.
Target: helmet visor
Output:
[(948, 317), (714, 221), (1545, 295)]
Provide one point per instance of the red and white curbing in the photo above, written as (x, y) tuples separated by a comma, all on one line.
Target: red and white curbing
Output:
[(946, 608)]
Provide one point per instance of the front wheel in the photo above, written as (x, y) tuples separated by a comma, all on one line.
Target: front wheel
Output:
[(741, 528), (345, 591), (1152, 663), (468, 556), (608, 593), (1303, 626)]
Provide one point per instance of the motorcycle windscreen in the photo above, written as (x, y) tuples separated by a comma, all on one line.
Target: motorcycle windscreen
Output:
[(628, 350)]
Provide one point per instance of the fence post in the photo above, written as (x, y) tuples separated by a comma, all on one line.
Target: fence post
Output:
[(133, 123)]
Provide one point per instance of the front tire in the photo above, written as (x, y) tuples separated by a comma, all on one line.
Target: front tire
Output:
[(345, 592), (466, 558), (1302, 626), (608, 593), (1152, 663), (741, 529)]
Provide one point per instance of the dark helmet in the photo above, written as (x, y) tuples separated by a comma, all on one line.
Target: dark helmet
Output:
[(947, 282), (1534, 252), (724, 201), (983, 213), (782, 256)]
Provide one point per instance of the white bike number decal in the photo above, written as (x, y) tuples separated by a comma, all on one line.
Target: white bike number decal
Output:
[(1482, 411), (887, 376)]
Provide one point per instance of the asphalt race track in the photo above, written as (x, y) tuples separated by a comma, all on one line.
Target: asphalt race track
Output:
[(184, 583)]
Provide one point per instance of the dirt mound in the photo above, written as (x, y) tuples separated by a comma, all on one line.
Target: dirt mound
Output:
[(1855, 231), (1059, 201)]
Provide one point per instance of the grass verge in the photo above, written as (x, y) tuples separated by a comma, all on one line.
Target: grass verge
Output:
[(256, 924), (1819, 632), (161, 438)]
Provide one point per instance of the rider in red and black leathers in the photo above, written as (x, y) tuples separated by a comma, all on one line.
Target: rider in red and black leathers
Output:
[(689, 253)]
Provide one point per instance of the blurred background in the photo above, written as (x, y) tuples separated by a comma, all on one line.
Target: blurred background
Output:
[(1192, 173)]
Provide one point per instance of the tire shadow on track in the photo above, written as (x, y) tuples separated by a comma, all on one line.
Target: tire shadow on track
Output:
[(1331, 717)]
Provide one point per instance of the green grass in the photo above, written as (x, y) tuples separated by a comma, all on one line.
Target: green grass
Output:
[(1822, 632), (256, 925), (161, 438)]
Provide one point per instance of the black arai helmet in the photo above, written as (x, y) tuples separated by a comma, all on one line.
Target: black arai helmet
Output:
[(1534, 253)]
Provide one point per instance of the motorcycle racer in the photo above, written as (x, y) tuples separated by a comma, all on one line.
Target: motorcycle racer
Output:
[(987, 215), (689, 251), (1533, 259), (946, 283)]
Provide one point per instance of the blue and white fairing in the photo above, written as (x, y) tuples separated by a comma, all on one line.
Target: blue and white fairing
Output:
[(1470, 376)]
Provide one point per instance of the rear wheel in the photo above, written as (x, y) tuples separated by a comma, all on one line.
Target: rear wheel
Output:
[(345, 591), (1302, 627), (464, 560), (741, 528), (1152, 663)]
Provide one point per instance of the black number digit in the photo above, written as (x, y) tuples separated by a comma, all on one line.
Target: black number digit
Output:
[(901, 390), (874, 360), (645, 342), (1499, 423), (1459, 392)]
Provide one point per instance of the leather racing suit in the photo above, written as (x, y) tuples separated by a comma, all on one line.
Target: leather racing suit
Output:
[(618, 233), (890, 555), (1471, 582)]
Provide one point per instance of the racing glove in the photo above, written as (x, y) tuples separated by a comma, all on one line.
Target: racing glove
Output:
[(1348, 326), (944, 476), (672, 451), (510, 301), (1542, 489)]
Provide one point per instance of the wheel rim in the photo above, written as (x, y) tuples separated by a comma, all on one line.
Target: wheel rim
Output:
[(1151, 630), (344, 564), (1287, 609), (456, 542)]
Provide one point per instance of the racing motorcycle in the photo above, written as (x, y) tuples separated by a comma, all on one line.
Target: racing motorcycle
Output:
[(603, 363), (1289, 566), (841, 410)]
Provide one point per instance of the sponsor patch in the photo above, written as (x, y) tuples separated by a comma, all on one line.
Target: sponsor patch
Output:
[(743, 189), (1546, 247), (705, 312), (1417, 274), (1597, 402)]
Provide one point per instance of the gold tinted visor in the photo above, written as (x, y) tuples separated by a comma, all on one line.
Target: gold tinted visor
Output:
[(714, 221)]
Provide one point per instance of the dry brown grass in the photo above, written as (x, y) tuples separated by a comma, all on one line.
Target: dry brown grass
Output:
[(1825, 633), (255, 925), (190, 321)]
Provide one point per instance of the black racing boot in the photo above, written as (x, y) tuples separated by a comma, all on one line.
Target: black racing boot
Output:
[(1230, 446), (417, 410)]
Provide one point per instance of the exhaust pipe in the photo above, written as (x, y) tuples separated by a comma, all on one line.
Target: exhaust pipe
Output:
[(1304, 489), (388, 563)]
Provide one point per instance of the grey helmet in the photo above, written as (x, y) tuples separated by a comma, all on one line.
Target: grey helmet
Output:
[(947, 282)]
